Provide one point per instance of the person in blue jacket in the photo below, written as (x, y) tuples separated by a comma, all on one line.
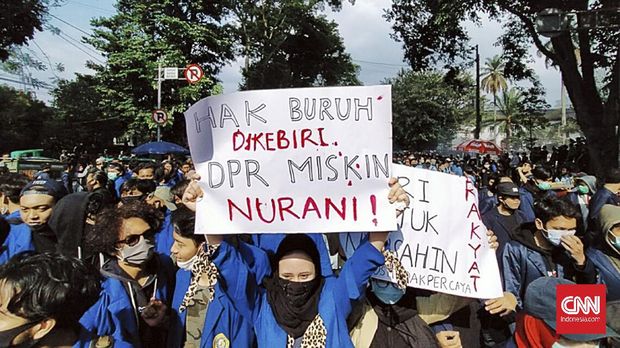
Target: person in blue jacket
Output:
[(30, 230), (132, 310), (608, 194), (546, 248), (163, 200), (606, 258), (42, 297), (202, 313), (505, 217), (536, 188), (298, 306), (118, 175)]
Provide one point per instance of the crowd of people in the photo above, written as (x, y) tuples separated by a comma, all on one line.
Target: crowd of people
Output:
[(105, 255)]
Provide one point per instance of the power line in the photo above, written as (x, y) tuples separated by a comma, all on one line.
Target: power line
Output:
[(91, 6), (49, 61), (379, 63), (78, 42), (79, 48), (71, 25), (43, 85)]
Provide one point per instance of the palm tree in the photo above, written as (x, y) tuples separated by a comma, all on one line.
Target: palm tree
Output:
[(510, 105), (493, 80)]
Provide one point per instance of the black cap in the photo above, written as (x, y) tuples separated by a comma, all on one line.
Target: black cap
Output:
[(507, 189), (45, 186)]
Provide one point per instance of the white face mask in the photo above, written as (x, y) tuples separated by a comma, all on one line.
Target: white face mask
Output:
[(555, 236), (187, 265)]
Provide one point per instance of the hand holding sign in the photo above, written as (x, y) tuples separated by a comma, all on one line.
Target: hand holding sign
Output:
[(397, 195)]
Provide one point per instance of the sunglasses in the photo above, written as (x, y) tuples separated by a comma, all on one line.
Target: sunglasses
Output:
[(136, 238)]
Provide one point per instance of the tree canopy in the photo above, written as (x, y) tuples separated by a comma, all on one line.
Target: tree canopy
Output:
[(433, 33), (427, 108)]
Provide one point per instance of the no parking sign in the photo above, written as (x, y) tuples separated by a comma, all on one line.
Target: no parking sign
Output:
[(193, 73)]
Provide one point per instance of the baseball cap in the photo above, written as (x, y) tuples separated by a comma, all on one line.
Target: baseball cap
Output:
[(163, 193), (540, 302), (507, 189), (45, 187)]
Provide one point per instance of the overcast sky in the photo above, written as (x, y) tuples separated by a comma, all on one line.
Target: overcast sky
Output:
[(364, 30)]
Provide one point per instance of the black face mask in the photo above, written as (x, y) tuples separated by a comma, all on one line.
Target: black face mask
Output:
[(129, 199), (7, 336), (298, 293), (42, 229)]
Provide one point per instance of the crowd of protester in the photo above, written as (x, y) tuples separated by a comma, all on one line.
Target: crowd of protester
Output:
[(105, 255)]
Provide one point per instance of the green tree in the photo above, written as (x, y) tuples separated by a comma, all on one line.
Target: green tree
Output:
[(521, 114), (289, 44), (427, 109), (79, 117), (19, 19), (493, 80), (433, 32), (23, 120), (144, 33)]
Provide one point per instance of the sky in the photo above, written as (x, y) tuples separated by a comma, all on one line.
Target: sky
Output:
[(365, 32)]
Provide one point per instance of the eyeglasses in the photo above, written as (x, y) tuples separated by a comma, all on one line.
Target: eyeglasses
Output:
[(136, 238)]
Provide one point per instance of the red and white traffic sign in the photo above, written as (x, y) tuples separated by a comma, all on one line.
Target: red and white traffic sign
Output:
[(193, 73), (159, 116)]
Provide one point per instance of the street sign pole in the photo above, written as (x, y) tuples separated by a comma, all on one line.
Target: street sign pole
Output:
[(158, 98)]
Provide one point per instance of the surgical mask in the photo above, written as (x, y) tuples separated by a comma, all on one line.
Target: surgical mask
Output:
[(139, 253), (614, 241), (387, 293), (7, 336), (544, 186), (560, 345), (112, 176), (187, 265), (555, 236), (583, 189)]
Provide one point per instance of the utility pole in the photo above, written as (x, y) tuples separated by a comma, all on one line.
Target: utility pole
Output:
[(478, 116), (159, 97)]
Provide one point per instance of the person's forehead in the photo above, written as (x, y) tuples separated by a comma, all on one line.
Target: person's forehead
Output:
[(36, 199), (562, 221), (134, 225)]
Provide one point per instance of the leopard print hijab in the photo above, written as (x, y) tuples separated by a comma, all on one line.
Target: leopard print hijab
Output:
[(393, 264), (314, 337), (202, 265)]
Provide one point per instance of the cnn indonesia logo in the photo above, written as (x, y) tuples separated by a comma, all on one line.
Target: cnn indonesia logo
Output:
[(580, 309)]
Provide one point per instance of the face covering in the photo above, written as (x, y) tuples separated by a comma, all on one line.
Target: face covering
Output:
[(388, 293), (555, 236), (112, 176), (614, 241), (298, 293), (139, 253), (583, 189), (129, 199), (7, 336), (545, 186), (187, 265), (560, 345)]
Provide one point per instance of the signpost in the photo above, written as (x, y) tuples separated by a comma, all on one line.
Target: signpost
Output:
[(192, 73)]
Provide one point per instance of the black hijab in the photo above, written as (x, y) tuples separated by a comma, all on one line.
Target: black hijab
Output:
[(295, 304)]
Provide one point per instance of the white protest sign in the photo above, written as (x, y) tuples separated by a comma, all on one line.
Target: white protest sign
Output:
[(442, 241), (293, 160)]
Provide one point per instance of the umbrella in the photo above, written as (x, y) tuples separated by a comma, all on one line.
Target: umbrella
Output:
[(160, 148), (479, 146)]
